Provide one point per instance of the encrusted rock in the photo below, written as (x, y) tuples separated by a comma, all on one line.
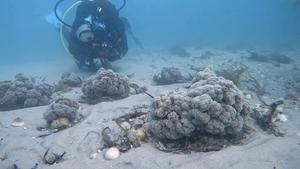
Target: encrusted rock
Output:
[(61, 113), (24, 92), (71, 79), (67, 82), (105, 84), (212, 106)]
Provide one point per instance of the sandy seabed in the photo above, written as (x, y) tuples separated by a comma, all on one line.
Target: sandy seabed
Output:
[(21, 146)]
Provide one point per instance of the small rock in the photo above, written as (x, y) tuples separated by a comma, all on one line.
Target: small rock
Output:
[(50, 158), (18, 122), (112, 153), (140, 134)]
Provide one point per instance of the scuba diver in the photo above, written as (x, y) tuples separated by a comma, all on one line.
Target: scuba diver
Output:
[(97, 35)]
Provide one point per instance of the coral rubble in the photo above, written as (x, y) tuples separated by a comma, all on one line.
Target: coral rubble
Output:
[(209, 113), (68, 80), (105, 84), (24, 92)]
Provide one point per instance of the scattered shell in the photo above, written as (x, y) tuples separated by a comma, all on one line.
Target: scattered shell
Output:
[(125, 125), (112, 153), (18, 122), (262, 109), (282, 117), (93, 156), (248, 96), (60, 123)]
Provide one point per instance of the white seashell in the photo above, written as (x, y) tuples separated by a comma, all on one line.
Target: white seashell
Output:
[(112, 153), (282, 117), (125, 125), (248, 96), (93, 156), (18, 122)]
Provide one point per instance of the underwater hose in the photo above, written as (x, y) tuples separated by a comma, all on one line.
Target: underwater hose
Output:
[(65, 15), (62, 26), (68, 25)]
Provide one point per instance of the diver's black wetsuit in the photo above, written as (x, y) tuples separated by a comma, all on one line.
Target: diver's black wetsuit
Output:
[(110, 41)]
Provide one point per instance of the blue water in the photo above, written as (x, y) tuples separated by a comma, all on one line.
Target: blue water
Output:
[(27, 37)]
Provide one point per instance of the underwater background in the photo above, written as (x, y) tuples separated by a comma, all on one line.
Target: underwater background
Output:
[(217, 85), (27, 38)]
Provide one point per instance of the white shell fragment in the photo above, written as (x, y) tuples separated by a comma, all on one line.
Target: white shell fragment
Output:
[(93, 156), (112, 153), (282, 117), (125, 125), (18, 122), (248, 96)]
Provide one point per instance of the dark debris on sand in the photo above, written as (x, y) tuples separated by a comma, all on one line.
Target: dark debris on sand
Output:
[(271, 57), (179, 51)]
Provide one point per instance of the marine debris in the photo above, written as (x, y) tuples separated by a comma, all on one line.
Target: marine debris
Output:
[(238, 73), (233, 72), (169, 75), (61, 114), (136, 89), (68, 81), (24, 92), (210, 114), (105, 85), (179, 51), (266, 116), (272, 57), (122, 139), (131, 131)]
